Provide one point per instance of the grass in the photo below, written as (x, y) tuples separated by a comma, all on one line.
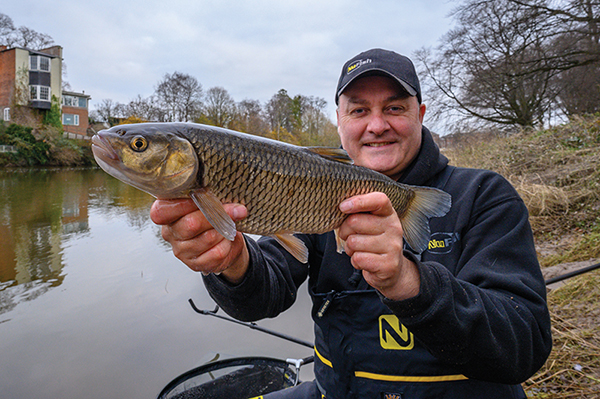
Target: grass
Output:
[(573, 368), (557, 173)]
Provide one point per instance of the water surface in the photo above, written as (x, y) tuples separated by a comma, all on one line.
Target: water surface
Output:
[(92, 302)]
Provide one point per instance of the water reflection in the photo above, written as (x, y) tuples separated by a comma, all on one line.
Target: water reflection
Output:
[(40, 209), (92, 301)]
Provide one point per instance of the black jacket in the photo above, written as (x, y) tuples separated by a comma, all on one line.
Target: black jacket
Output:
[(480, 316)]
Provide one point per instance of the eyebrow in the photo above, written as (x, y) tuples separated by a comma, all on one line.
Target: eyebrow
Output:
[(399, 96)]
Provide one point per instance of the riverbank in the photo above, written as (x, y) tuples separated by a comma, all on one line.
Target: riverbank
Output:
[(557, 173), (24, 147)]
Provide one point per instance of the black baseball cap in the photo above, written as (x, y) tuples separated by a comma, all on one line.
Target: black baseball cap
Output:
[(380, 62)]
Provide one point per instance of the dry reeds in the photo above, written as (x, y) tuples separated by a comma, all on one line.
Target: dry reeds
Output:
[(573, 368), (557, 173)]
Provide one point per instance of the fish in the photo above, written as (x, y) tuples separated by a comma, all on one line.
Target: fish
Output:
[(286, 189)]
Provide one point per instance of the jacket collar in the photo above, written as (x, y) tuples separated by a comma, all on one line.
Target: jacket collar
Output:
[(428, 163)]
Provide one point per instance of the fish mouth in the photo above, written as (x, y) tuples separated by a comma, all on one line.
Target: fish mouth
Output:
[(102, 149)]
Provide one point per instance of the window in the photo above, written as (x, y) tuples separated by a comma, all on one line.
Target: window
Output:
[(70, 119), (69, 101), (40, 93), (39, 63), (44, 64), (74, 101), (6, 117)]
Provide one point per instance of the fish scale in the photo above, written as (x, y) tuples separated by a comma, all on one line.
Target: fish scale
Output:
[(286, 189)]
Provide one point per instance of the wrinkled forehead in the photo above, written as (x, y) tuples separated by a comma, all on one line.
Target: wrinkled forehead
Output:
[(373, 86)]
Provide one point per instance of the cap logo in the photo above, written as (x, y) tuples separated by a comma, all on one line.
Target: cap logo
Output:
[(358, 64)]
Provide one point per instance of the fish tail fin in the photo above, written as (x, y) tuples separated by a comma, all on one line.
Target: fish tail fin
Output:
[(427, 202)]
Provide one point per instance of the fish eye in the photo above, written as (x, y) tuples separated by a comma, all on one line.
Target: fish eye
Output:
[(139, 143)]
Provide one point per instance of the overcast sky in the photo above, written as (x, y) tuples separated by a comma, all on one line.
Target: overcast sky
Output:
[(119, 49)]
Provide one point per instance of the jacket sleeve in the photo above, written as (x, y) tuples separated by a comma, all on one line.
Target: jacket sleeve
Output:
[(269, 287), (487, 314)]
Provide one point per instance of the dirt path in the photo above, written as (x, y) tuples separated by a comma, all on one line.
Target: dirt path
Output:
[(563, 268)]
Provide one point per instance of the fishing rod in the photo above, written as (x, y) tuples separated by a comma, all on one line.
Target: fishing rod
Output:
[(307, 344), (253, 326), (572, 274)]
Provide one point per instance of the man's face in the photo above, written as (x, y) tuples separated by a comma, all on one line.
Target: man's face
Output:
[(379, 126)]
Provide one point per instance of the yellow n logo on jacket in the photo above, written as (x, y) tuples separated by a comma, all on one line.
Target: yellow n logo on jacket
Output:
[(393, 335)]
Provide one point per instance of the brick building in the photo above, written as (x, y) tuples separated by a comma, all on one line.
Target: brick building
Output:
[(75, 114), (30, 78)]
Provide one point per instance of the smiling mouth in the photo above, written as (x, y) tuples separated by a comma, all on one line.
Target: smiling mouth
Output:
[(378, 144)]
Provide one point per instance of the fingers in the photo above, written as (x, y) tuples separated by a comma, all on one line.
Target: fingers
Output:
[(370, 216), (373, 235), (375, 203), (193, 240), (168, 211)]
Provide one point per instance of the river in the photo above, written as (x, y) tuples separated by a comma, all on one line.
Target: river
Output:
[(93, 304)]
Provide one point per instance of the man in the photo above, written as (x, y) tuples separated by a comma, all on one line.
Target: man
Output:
[(467, 318)]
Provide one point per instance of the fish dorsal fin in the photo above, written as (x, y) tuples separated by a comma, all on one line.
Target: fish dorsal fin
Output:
[(293, 245), (332, 153), (213, 211)]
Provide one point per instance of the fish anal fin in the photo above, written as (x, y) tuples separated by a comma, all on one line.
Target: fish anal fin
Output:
[(213, 211), (293, 245), (340, 244), (427, 203), (332, 153)]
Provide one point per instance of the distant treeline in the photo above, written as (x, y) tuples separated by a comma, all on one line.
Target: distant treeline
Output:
[(523, 63), (179, 97)]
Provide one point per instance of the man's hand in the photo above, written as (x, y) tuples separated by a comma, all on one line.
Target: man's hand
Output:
[(373, 235), (196, 243)]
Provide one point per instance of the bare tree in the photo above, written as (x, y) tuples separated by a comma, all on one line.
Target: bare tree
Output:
[(516, 62), (577, 46), (23, 36), (249, 118), (219, 107), (146, 109), (180, 96), (494, 65), (7, 27), (314, 120), (108, 111)]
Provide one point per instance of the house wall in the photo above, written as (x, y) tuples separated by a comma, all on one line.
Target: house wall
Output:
[(81, 129), (21, 68), (7, 77), (56, 78)]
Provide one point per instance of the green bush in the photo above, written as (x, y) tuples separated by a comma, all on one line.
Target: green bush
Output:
[(30, 150)]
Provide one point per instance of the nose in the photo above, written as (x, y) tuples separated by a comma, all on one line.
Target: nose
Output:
[(377, 123)]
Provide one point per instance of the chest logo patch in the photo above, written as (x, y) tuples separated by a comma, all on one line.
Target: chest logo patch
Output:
[(442, 243), (394, 335)]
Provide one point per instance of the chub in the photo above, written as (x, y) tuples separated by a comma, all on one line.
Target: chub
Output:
[(287, 189)]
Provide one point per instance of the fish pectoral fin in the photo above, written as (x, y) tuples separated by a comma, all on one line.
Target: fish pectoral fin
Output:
[(293, 245), (340, 244), (332, 153), (213, 211)]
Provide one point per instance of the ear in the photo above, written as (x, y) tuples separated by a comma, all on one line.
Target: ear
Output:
[(422, 109), (337, 117)]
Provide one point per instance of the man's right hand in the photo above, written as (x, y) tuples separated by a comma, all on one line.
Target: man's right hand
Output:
[(196, 243)]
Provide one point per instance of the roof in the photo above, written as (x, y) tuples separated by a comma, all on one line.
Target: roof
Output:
[(72, 93)]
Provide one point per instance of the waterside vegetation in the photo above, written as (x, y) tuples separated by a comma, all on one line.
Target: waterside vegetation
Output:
[(557, 173)]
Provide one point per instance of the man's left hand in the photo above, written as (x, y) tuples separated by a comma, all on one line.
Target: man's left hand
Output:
[(373, 235)]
